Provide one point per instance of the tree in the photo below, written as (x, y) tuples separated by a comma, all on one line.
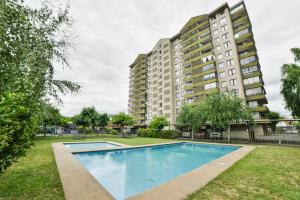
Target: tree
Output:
[(159, 123), (121, 120), (192, 116), (32, 42), (87, 117), (290, 84), (103, 120), (49, 116), (273, 116), (223, 109)]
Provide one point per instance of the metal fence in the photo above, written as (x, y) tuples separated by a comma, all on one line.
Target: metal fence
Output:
[(274, 132)]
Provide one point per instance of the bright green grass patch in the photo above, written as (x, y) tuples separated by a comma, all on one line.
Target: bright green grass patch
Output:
[(266, 173)]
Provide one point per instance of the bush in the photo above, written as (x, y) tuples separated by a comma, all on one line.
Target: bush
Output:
[(113, 131), (167, 134)]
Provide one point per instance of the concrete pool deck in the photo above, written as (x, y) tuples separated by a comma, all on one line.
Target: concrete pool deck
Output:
[(79, 184)]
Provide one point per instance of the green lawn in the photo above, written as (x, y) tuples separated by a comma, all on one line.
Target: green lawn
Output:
[(266, 173)]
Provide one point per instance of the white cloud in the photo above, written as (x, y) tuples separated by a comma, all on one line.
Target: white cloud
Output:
[(112, 32)]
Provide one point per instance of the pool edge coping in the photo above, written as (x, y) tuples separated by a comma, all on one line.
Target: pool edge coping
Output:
[(79, 184)]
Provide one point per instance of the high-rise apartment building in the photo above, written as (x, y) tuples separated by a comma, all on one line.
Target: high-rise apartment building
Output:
[(212, 53)]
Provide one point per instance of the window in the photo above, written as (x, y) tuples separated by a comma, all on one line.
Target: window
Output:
[(256, 115), (210, 86), (224, 84), (160, 105), (177, 111), (218, 47), (251, 80), (216, 32), (237, 9), (223, 20), (221, 74), (160, 112), (208, 67), (214, 25), (221, 65), (182, 93), (190, 100), (232, 82), (248, 60), (239, 34), (228, 53), (177, 72), (229, 62), (177, 103), (219, 56), (177, 80), (177, 95), (231, 72), (224, 28), (235, 92), (209, 76), (253, 104), (225, 36), (189, 91), (249, 70), (177, 87), (227, 44), (217, 40), (254, 91)]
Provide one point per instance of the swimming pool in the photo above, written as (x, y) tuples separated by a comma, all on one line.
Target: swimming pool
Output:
[(89, 145), (128, 172)]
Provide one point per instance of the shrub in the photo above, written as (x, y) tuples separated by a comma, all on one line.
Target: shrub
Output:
[(113, 131), (167, 134)]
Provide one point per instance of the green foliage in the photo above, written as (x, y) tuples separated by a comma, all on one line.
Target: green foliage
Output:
[(273, 116), (122, 119), (152, 133), (192, 116), (17, 124), (32, 40), (290, 84), (159, 123), (103, 120), (49, 115), (225, 108), (113, 131)]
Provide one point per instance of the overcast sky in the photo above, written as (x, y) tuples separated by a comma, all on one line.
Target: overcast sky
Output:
[(110, 34)]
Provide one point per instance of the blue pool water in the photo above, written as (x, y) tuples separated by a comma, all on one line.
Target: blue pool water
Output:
[(88, 145), (127, 172)]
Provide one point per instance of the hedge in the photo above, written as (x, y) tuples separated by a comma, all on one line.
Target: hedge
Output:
[(167, 134)]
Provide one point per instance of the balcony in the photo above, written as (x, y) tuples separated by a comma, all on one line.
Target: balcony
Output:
[(240, 28), (252, 53), (260, 109), (244, 38), (245, 46), (238, 13), (205, 47), (258, 97), (249, 75), (253, 85)]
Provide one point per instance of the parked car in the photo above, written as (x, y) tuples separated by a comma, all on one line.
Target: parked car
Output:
[(186, 134), (216, 135)]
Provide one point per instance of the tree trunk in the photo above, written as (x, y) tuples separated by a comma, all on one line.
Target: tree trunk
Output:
[(192, 134), (45, 127), (228, 133)]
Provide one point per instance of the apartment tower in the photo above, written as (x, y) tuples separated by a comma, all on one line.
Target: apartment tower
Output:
[(212, 53)]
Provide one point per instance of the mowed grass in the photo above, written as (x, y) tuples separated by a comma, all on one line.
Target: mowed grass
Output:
[(266, 173)]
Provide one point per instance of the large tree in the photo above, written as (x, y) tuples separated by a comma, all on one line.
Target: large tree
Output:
[(159, 123), (103, 120), (290, 84), (223, 109), (32, 42), (87, 117), (274, 117), (122, 120), (192, 116), (49, 115)]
